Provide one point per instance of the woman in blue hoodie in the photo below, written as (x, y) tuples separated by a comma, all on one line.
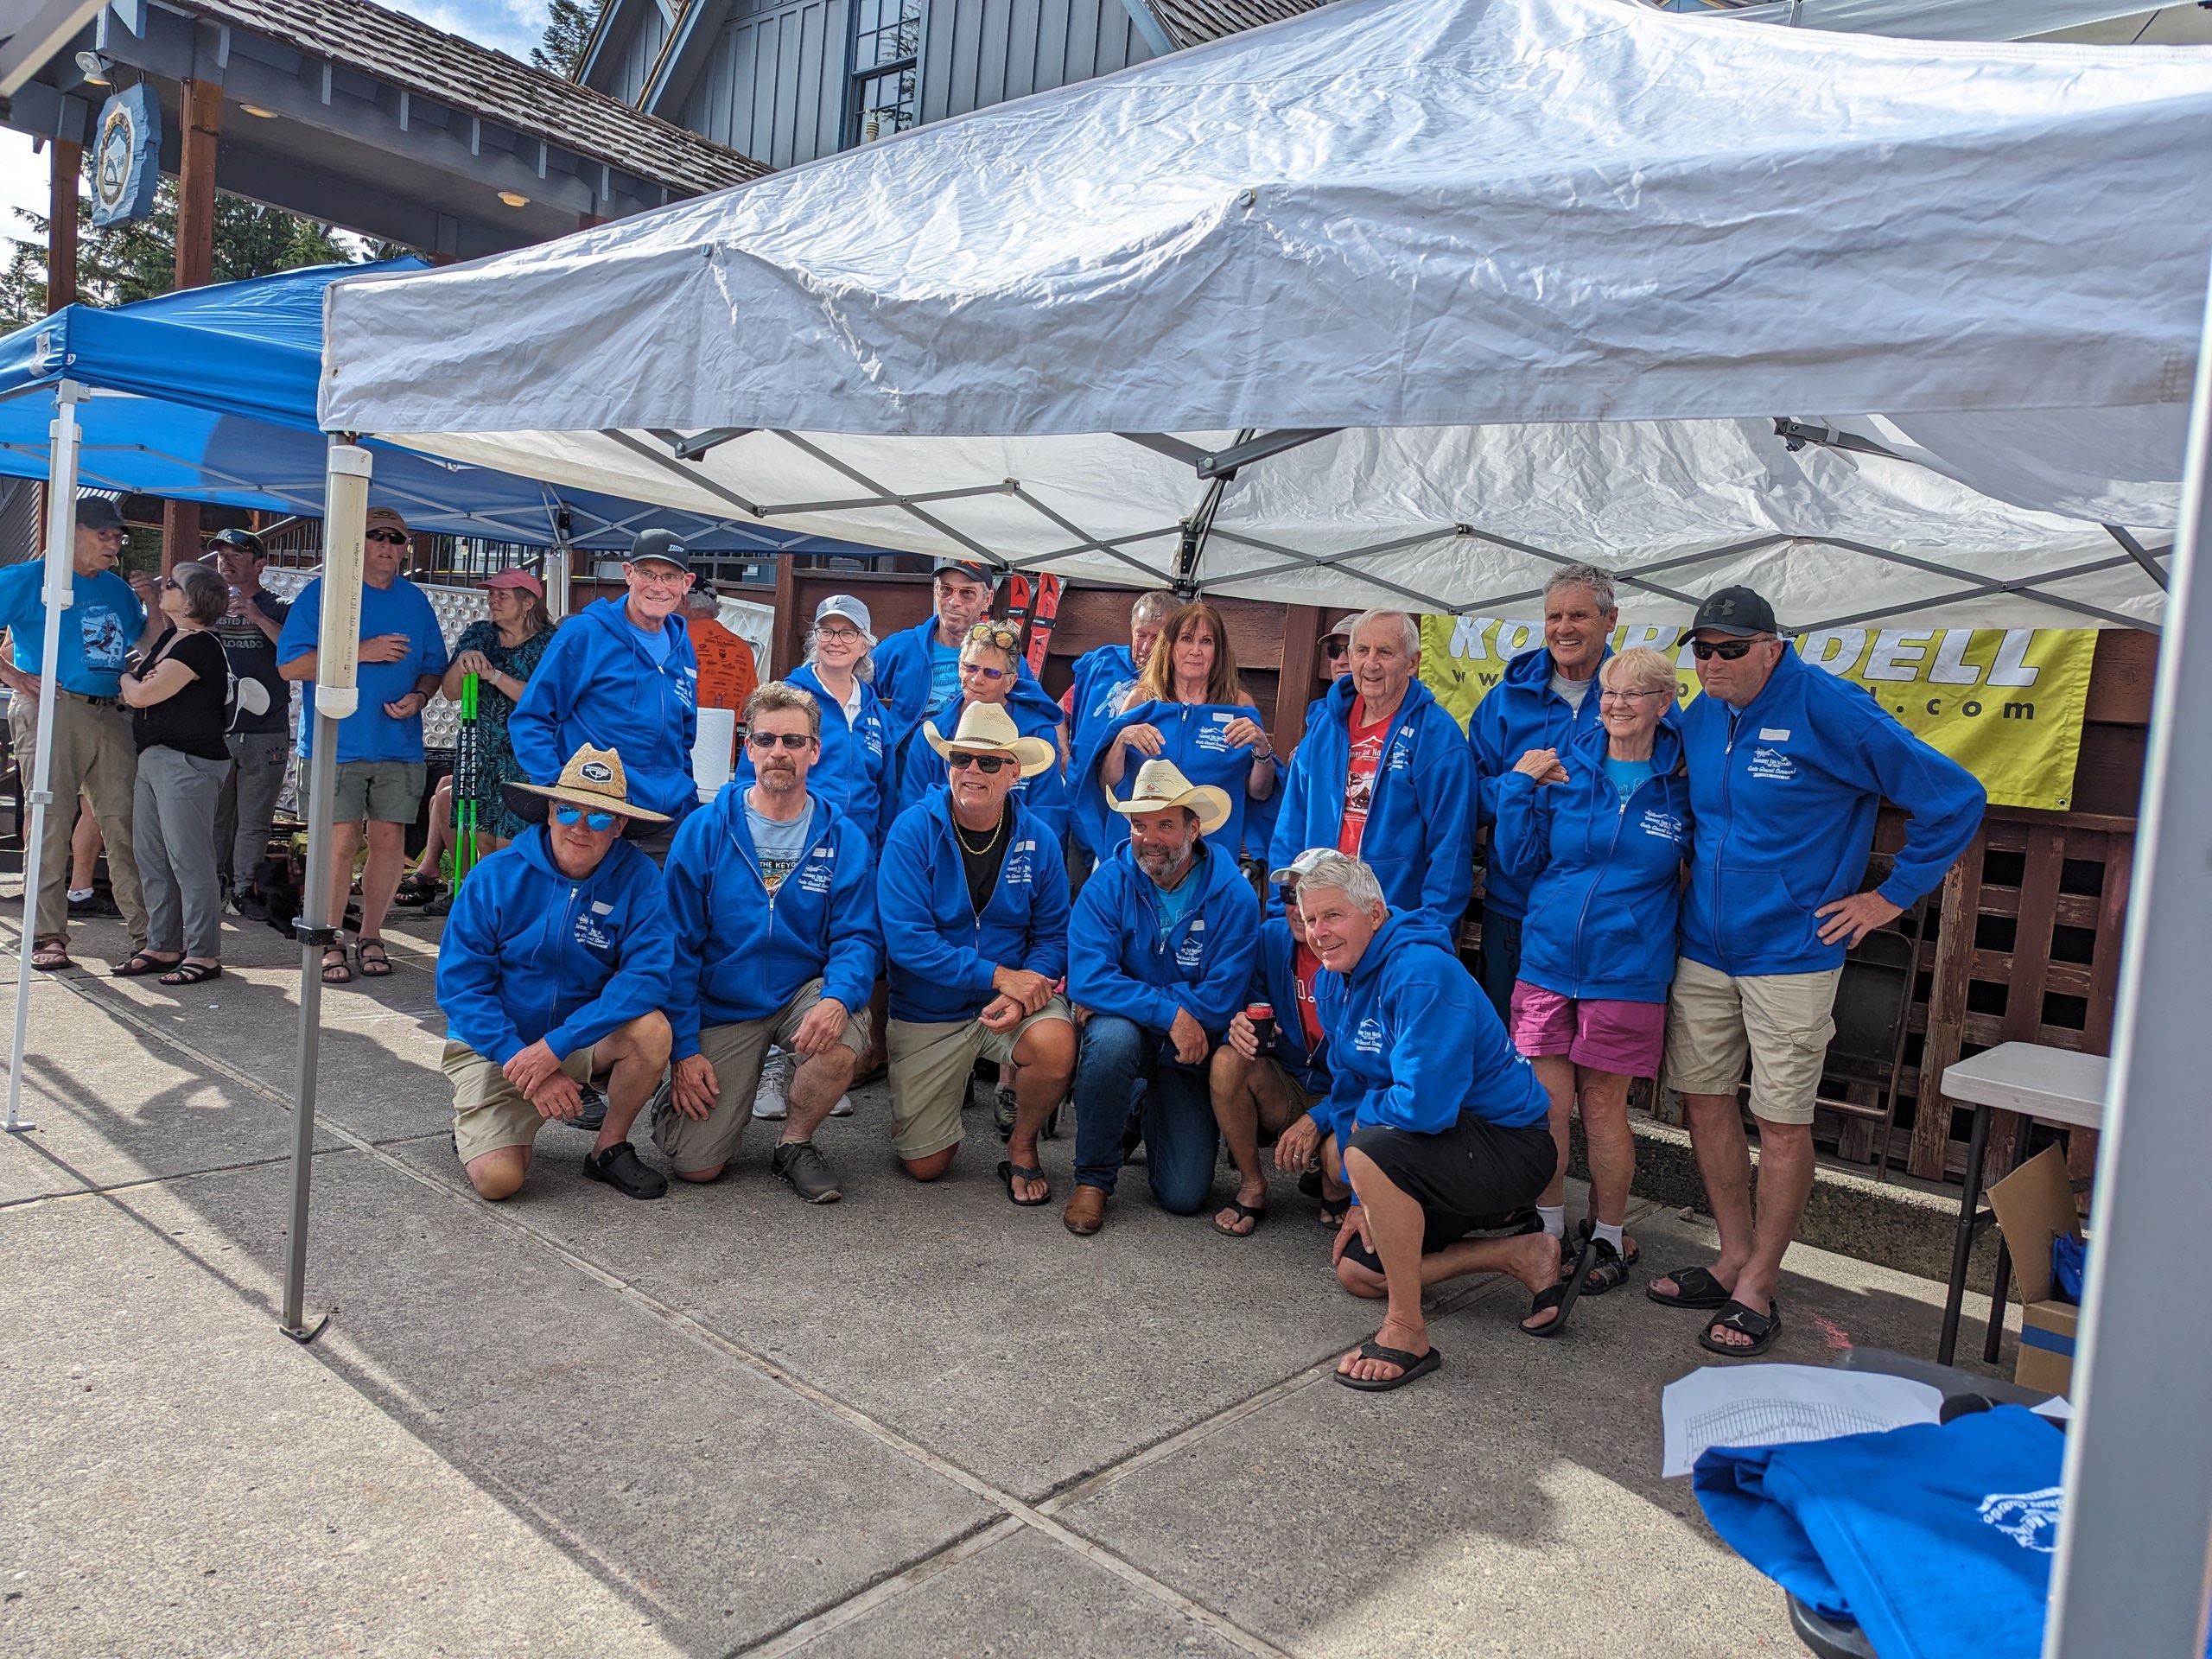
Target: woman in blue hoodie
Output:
[(854, 771), (991, 672), (1601, 852)]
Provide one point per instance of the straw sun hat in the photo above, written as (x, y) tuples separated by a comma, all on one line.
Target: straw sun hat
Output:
[(1159, 785), (987, 728), (593, 779)]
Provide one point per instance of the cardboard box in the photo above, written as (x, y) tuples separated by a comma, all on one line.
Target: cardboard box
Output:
[(2034, 1205)]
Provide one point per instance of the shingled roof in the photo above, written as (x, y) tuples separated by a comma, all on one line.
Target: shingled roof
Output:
[(1191, 22), (404, 51)]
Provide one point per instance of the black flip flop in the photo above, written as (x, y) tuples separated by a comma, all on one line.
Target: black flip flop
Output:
[(1333, 1211), (1415, 1368), (141, 965), (1008, 1171), (1561, 1296), (1761, 1328), (1694, 1288), (1244, 1212), (1309, 1181)]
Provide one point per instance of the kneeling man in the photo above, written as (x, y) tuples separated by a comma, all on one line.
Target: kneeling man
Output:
[(1159, 955), (1442, 1125), (552, 972), (972, 896), (771, 894)]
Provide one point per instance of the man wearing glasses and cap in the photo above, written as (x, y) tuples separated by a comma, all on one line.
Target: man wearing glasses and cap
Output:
[(972, 897), (1160, 952), (622, 675), (380, 771), (918, 669), (259, 736), (94, 754), (554, 968), (1786, 768)]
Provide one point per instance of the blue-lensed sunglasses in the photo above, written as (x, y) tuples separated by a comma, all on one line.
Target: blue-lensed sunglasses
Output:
[(569, 815)]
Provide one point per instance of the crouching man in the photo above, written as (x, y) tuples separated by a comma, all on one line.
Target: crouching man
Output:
[(1159, 956), (552, 972), (1443, 1127), (772, 892)]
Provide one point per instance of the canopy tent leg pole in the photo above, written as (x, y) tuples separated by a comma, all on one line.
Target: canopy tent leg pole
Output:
[(346, 505), (61, 561), (2130, 1572)]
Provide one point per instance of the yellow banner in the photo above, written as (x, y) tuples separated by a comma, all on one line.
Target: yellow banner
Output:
[(2005, 703)]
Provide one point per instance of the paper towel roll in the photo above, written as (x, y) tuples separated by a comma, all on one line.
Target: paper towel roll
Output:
[(713, 756)]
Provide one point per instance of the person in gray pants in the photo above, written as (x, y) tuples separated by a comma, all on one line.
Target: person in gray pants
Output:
[(260, 734), (179, 696)]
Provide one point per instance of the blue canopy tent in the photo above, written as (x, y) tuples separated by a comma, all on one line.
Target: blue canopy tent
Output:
[(209, 395)]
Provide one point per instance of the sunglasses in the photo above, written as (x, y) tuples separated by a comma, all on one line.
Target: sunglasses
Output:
[(986, 764), (1727, 651), (1335, 648), (978, 670), (168, 584), (769, 739), (569, 815), (391, 537)]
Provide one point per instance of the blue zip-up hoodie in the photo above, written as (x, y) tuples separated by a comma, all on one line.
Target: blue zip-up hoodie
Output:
[(596, 684), (1034, 714), (1416, 836), (1608, 877), (1097, 673), (1785, 795), (1414, 1042), (1274, 982), (940, 952), (1118, 963), (527, 953), (855, 762), (1520, 712), (1191, 735), (742, 952), (902, 683)]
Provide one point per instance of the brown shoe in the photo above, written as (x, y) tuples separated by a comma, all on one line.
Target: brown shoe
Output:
[(1086, 1211)]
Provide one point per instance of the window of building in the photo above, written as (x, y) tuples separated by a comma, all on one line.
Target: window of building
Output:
[(886, 50)]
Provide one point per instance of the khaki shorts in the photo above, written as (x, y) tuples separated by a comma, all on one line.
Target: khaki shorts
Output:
[(488, 1111), (1292, 1090), (737, 1051), (1780, 1022), (930, 1066), (378, 791)]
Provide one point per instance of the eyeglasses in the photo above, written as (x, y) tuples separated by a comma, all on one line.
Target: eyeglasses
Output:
[(986, 764), (837, 636), (168, 584), (597, 821), (659, 576), (390, 537), (765, 740), (1609, 695), (1727, 651), (981, 672)]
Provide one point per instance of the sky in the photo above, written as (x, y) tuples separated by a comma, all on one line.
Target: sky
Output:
[(509, 25)]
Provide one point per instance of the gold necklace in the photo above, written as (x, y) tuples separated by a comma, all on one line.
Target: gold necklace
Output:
[(969, 846)]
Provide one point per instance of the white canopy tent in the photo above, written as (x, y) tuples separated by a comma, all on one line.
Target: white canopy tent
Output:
[(1414, 298)]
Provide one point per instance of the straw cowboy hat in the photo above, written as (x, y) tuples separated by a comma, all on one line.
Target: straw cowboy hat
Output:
[(1160, 786), (987, 728), (593, 779)]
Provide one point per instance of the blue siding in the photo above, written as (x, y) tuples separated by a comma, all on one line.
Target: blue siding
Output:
[(977, 52), (638, 33)]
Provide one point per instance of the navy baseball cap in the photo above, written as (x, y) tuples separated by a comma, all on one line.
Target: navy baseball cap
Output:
[(98, 512), (660, 544), (973, 570), (1735, 610)]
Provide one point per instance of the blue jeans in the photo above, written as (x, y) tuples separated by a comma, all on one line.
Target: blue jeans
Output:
[(1500, 960), (1180, 1138)]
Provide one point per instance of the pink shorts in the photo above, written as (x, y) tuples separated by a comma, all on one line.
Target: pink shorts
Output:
[(1625, 1037)]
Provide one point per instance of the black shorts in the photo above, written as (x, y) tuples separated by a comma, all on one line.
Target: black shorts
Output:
[(1466, 1178)]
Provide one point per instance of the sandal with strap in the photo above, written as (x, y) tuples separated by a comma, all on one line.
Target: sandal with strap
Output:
[(1694, 1288), (415, 889), (1412, 1367), (1761, 1328), (1608, 1267), (192, 973), (375, 967), (1333, 1211), (50, 955), (1010, 1172), (1561, 1296), (1631, 1252), (1250, 1212), (336, 973), (142, 964)]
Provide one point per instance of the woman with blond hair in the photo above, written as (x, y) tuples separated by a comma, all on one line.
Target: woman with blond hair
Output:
[(1601, 828)]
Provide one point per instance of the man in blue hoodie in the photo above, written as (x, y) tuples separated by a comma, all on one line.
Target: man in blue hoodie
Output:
[(1443, 1126), (1384, 776), (1159, 955), (771, 894), (553, 969), (972, 897), (1787, 768), (623, 676), (1544, 701), (918, 669)]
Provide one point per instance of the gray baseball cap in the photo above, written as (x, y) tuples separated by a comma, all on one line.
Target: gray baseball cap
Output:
[(846, 606), (1304, 862)]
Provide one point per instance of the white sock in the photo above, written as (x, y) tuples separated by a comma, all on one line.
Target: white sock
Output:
[(1611, 1233), (78, 895), (1553, 1216)]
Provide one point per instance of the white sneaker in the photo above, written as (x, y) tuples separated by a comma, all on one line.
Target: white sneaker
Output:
[(844, 1108), (769, 1103)]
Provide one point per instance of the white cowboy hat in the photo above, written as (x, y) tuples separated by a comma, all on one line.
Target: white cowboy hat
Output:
[(1160, 786), (987, 728)]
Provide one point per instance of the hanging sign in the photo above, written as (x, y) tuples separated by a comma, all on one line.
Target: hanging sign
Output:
[(127, 157), (2005, 703)]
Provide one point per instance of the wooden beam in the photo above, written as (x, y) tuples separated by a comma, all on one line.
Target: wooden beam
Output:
[(1301, 655), (200, 116), (68, 164), (786, 638)]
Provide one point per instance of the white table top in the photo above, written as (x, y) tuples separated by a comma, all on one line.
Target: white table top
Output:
[(2055, 1085)]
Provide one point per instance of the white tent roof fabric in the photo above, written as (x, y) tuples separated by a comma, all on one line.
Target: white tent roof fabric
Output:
[(1541, 274)]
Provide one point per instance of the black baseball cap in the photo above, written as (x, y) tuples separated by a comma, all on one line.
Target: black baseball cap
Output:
[(244, 540), (1735, 610), (973, 570), (98, 512), (660, 544)]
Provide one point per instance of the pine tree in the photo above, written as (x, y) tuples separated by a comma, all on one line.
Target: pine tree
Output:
[(568, 32)]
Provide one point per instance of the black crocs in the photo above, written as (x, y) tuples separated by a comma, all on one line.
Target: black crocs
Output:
[(619, 1168)]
